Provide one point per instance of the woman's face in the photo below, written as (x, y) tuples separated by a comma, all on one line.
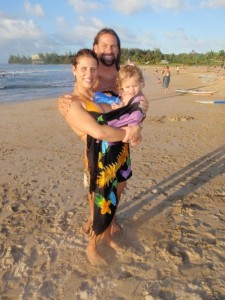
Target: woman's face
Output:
[(86, 72)]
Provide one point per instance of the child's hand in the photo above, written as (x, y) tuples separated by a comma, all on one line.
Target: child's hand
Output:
[(115, 106)]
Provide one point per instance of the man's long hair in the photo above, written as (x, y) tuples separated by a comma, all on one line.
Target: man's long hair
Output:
[(112, 32)]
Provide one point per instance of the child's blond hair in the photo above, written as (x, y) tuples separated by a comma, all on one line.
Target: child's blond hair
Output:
[(128, 71)]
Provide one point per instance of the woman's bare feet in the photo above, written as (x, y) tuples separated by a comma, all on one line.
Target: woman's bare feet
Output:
[(94, 257), (116, 247)]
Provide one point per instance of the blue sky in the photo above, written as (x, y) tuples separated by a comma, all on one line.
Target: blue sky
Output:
[(174, 26)]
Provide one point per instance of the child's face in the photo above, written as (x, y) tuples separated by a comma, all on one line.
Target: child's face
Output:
[(131, 86)]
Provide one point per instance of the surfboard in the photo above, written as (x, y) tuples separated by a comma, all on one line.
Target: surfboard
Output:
[(207, 76), (195, 92), (212, 102)]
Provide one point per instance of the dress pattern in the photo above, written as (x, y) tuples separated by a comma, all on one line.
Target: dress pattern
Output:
[(109, 163)]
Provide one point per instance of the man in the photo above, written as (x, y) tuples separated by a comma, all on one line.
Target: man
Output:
[(108, 49)]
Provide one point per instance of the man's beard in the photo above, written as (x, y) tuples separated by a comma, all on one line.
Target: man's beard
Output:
[(107, 60)]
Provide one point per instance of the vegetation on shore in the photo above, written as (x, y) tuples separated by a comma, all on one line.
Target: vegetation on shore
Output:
[(140, 56)]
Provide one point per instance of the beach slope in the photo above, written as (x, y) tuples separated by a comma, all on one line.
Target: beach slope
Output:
[(172, 213)]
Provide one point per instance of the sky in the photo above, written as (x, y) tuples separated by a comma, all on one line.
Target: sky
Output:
[(174, 26)]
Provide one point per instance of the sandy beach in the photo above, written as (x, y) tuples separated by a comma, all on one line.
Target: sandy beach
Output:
[(172, 213)]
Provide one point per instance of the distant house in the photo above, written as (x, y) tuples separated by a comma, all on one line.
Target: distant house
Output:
[(36, 60), (129, 62), (164, 62)]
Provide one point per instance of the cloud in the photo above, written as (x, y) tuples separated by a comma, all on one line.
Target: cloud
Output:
[(213, 3), (16, 29), (84, 6), (177, 35), (21, 37), (34, 10), (60, 21), (129, 7), (175, 5), (79, 36), (185, 43), (131, 40)]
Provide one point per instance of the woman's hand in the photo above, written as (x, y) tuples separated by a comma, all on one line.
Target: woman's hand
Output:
[(133, 135), (64, 104)]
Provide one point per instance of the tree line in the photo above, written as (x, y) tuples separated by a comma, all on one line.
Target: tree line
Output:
[(137, 55)]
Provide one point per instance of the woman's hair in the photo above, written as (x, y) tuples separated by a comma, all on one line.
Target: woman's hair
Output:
[(83, 53), (128, 71), (112, 32)]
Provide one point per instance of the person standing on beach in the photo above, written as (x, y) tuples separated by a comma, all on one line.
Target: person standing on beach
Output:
[(107, 148), (107, 47), (166, 79)]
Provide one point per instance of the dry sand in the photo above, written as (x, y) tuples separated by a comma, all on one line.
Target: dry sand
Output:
[(172, 213)]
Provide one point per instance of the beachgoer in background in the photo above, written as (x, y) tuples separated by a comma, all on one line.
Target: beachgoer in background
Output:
[(107, 47), (166, 79), (104, 153)]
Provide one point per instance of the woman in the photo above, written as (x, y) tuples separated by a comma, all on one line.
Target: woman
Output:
[(107, 47), (108, 162)]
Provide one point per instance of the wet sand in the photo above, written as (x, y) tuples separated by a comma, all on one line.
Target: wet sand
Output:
[(172, 213)]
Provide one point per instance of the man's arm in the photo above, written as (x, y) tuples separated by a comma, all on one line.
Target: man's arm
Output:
[(64, 104), (144, 104)]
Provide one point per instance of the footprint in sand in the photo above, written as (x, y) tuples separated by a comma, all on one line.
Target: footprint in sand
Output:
[(187, 256), (180, 118)]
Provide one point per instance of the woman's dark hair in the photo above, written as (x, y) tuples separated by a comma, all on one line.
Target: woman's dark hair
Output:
[(112, 32), (84, 53)]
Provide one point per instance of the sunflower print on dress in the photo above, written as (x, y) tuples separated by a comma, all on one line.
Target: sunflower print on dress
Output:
[(109, 163)]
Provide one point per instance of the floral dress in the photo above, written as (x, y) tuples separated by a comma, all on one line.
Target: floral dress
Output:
[(109, 163)]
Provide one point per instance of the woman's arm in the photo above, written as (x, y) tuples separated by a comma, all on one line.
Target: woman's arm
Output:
[(80, 120)]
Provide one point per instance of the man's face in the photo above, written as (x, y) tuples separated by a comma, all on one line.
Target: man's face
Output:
[(107, 49)]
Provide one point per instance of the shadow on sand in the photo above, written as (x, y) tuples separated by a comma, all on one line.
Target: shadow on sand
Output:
[(185, 181)]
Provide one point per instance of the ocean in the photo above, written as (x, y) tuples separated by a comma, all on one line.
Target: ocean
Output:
[(30, 82)]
